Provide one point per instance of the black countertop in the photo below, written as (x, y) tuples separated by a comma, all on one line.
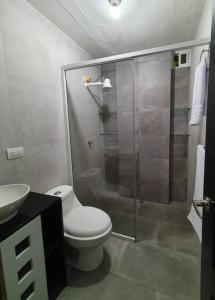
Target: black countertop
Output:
[(33, 206)]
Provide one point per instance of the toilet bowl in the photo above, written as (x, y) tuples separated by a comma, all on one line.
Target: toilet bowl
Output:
[(85, 229)]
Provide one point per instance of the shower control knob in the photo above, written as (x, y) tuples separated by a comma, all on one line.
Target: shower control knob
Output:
[(90, 143)]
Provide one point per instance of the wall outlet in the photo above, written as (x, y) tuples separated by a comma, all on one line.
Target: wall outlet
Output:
[(13, 153)]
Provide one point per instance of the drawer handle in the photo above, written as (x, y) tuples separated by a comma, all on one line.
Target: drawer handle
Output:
[(28, 292), (22, 246), (25, 270)]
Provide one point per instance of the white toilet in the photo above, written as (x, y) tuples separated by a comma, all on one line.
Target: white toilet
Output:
[(85, 229)]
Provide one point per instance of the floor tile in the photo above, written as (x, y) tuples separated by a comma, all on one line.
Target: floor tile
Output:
[(112, 249), (147, 230), (170, 213), (180, 238), (160, 225), (163, 265), (98, 285), (123, 223), (167, 271), (160, 296)]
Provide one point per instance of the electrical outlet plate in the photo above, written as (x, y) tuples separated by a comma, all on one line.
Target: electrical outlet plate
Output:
[(13, 153)]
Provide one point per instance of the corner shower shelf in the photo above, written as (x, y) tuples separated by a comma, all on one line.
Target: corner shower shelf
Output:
[(180, 109), (107, 113), (180, 134), (108, 133)]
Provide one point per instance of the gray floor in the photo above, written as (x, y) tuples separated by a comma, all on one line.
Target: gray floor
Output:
[(163, 265)]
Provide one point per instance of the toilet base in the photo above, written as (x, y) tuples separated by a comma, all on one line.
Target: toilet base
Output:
[(86, 259)]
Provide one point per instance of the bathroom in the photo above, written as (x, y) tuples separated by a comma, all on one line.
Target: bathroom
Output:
[(98, 107)]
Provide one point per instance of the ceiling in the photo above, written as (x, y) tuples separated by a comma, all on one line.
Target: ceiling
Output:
[(142, 23)]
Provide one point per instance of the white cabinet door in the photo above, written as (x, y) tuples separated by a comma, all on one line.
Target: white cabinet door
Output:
[(23, 264)]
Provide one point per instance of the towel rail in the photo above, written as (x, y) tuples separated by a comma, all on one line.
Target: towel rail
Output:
[(203, 51), (196, 209)]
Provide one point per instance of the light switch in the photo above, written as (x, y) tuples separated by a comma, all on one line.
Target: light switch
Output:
[(13, 153)]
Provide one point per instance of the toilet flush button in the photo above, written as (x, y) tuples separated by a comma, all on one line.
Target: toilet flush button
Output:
[(57, 193), (13, 153)]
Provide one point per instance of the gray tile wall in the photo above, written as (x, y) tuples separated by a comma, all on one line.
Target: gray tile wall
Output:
[(118, 125), (179, 134), (148, 105), (152, 78), (32, 51), (126, 133), (109, 117)]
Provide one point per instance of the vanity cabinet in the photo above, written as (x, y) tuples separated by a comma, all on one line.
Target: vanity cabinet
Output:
[(32, 264), (53, 238)]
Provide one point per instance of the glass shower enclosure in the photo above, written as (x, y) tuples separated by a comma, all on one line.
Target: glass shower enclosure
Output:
[(128, 127), (120, 135)]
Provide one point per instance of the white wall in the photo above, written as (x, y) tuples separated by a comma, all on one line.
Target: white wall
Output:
[(197, 133), (32, 50)]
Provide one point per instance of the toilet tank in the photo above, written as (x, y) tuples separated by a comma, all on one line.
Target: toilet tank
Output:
[(67, 195)]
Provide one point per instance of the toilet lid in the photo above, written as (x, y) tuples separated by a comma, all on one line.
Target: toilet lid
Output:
[(86, 221)]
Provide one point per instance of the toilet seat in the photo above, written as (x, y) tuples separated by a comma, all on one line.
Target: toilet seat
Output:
[(86, 221)]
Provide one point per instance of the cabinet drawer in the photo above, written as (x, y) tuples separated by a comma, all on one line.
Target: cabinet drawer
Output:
[(23, 265)]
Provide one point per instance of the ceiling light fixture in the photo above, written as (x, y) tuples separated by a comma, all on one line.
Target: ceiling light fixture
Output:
[(114, 8), (115, 2)]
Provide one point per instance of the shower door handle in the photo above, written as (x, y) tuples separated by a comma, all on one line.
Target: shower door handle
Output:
[(207, 203)]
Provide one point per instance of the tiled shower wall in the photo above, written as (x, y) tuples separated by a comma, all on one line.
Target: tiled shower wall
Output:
[(179, 134), (149, 106), (109, 114), (126, 130), (152, 79), (117, 116)]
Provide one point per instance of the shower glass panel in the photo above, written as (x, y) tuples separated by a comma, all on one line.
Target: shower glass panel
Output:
[(152, 90), (102, 135)]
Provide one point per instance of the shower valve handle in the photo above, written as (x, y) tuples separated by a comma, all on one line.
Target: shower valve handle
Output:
[(90, 144)]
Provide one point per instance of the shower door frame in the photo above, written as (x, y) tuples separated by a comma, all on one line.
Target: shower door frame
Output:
[(106, 60)]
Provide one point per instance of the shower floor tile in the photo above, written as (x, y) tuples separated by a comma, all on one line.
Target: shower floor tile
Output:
[(112, 250), (174, 213), (180, 238), (167, 271), (162, 234), (166, 225)]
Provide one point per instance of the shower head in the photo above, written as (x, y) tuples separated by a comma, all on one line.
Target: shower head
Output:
[(104, 83), (107, 83)]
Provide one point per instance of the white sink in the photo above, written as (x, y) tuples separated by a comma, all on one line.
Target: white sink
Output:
[(11, 198)]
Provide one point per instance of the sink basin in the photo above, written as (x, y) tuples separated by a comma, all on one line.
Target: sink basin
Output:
[(11, 198)]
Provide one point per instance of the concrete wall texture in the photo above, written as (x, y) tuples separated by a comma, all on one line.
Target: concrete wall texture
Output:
[(32, 50)]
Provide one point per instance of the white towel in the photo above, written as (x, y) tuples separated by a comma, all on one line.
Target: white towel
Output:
[(193, 217), (196, 221), (200, 168), (199, 92)]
